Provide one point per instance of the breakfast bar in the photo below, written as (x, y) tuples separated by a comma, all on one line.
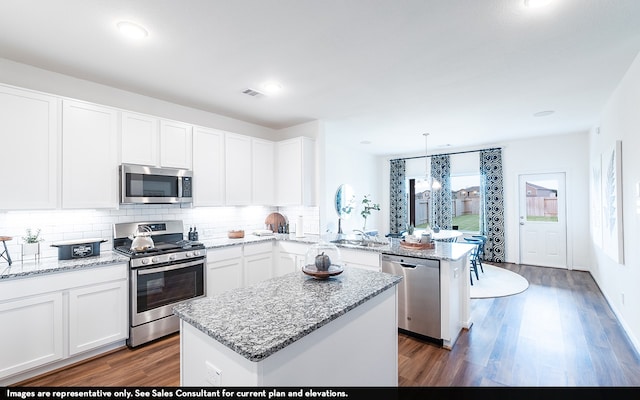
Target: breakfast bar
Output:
[(294, 330)]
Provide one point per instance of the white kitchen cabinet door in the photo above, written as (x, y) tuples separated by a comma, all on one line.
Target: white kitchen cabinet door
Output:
[(237, 169), (263, 171), (258, 262), (97, 316), (208, 167), (361, 259), (89, 156), (176, 142), (290, 257), (287, 262), (140, 139), (295, 172), (224, 270), (31, 334), (30, 132)]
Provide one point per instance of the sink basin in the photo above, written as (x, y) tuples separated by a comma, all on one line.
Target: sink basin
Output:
[(359, 243)]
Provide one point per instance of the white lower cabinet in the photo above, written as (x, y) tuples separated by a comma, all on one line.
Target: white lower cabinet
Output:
[(224, 269), (290, 257), (31, 334), (97, 315), (360, 259), (258, 262), (51, 318)]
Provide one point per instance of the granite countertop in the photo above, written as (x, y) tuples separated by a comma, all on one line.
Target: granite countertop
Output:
[(441, 251), (20, 269), (259, 320)]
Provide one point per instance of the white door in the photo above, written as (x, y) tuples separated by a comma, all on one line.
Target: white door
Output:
[(543, 227)]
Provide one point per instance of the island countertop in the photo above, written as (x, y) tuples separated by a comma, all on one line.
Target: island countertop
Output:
[(262, 319)]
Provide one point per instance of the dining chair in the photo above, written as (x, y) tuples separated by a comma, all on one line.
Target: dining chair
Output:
[(481, 250), (473, 258)]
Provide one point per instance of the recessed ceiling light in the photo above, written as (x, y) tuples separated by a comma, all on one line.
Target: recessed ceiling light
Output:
[(543, 113), (536, 3), (132, 30), (271, 87)]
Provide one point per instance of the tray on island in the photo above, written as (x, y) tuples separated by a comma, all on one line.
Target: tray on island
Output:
[(417, 246), (333, 270)]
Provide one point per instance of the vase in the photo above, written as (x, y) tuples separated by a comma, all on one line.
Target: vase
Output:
[(30, 249)]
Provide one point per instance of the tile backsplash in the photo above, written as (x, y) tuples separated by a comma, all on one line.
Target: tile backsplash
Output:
[(211, 222)]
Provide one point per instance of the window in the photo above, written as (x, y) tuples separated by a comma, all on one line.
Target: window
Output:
[(465, 198)]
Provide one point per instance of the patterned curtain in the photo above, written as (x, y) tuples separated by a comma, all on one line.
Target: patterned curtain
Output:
[(441, 214), (492, 204), (398, 217)]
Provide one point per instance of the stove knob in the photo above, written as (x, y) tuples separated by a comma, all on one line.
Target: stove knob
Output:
[(145, 261), (188, 254), (172, 257), (196, 253), (154, 259)]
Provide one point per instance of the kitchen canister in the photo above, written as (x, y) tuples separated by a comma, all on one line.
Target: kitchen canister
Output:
[(300, 226)]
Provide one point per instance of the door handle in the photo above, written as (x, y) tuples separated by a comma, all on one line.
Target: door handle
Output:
[(521, 223)]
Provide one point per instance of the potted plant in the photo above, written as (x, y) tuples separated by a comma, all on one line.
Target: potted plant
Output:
[(367, 206), (31, 243)]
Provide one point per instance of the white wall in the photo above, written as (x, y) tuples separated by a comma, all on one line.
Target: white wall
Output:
[(26, 76), (620, 120), (561, 153), (345, 164)]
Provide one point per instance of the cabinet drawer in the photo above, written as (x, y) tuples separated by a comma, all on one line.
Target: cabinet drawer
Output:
[(360, 257), (225, 253), (57, 281), (293, 247), (258, 248)]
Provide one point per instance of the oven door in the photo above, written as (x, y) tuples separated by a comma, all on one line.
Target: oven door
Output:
[(155, 290)]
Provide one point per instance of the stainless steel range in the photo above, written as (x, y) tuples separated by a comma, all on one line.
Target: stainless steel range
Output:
[(169, 271)]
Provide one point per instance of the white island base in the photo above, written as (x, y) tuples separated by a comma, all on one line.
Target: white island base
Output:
[(359, 348)]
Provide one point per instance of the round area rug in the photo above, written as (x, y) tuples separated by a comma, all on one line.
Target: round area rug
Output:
[(497, 282)]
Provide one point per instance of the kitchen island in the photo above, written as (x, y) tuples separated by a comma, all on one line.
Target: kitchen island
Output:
[(294, 330)]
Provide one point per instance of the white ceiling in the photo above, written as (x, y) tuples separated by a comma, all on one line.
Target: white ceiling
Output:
[(470, 72)]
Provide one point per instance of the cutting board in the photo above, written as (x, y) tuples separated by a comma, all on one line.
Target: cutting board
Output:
[(274, 220)]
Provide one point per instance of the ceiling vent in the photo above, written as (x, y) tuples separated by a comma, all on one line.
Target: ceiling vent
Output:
[(252, 92)]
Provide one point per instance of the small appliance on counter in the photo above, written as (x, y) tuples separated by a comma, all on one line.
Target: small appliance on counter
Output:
[(79, 248)]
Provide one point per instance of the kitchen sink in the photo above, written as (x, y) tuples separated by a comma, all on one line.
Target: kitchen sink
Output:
[(359, 243)]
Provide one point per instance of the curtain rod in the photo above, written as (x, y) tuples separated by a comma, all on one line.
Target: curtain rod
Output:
[(447, 154)]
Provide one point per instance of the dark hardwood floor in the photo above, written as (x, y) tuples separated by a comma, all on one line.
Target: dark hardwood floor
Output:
[(558, 332)]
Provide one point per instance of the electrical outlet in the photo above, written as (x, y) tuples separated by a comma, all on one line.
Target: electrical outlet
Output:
[(622, 298), (213, 374)]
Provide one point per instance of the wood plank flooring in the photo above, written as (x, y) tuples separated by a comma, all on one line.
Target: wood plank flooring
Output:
[(558, 332)]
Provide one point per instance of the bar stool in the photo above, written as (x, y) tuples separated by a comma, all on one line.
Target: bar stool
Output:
[(473, 258), (5, 253)]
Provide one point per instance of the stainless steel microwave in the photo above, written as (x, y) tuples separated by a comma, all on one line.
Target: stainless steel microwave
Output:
[(141, 184)]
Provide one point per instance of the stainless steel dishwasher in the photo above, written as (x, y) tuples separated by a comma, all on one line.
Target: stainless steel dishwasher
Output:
[(418, 294)]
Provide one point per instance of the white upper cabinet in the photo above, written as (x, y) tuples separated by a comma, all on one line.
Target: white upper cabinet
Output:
[(295, 172), (208, 167), (175, 144), (140, 139), (149, 140), (263, 170), (29, 126), (90, 156), (237, 169)]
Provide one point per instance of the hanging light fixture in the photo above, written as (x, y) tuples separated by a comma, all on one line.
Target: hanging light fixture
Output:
[(433, 184)]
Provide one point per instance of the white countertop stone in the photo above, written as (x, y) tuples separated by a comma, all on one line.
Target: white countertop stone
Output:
[(26, 268), (261, 319)]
